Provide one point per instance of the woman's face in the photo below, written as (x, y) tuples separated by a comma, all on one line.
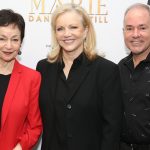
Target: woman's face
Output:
[(70, 32), (10, 42)]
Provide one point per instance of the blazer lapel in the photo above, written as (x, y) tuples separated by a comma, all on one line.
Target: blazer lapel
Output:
[(80, 78), (14, 80), (53, 76)]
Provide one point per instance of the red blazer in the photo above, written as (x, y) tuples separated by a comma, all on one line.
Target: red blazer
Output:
[(21, 120)]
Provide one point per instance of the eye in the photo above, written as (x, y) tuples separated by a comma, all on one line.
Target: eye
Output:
[(15, 40), (2, 39), (59, 29), (73, 27), (142, 28), (128, 28)]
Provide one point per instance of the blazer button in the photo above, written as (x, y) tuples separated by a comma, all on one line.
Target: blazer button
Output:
[(68, 106)]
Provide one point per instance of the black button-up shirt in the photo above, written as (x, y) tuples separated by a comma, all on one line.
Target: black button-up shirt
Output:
[(64, 86), (136, 94)]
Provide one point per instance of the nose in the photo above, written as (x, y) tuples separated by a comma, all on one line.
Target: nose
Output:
[(136, 32), (8, 44), (67, 33)]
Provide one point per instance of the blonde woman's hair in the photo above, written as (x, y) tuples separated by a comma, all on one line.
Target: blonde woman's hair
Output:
[(90, 41)]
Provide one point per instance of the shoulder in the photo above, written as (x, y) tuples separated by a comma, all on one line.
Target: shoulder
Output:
[(43, 64), (125, 59), (105, 63), (45, 67), (105, 68), (29, 72)]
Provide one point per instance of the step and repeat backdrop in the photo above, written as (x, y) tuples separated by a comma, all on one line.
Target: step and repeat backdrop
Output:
[(106, 15)]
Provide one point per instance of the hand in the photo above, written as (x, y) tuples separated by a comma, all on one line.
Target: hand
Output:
[(17, 147)]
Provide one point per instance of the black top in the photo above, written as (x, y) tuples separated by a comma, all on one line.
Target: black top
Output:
[(4, 80), (87, 114), (63, 89), (136, 94)]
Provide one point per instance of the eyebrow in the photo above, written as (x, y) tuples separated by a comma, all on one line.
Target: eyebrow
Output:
[(12, 36), (128, 25)]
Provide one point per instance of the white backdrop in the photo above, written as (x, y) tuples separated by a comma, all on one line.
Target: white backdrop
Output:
[(106, 15)]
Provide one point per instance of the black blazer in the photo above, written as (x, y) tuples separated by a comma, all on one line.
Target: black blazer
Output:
[(92, 113)]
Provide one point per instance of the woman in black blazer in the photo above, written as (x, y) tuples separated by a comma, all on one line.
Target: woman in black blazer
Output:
[(80, 98)]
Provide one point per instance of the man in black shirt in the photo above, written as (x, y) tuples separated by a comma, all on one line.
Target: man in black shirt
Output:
[(135, 76)]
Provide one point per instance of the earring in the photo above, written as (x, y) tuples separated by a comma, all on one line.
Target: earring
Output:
[(85, 44), (19, 52)]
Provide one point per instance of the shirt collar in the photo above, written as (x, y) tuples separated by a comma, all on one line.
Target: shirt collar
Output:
[(76, 63), (129, 59)]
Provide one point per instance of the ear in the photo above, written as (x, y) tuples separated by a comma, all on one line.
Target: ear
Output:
[(123, 29)]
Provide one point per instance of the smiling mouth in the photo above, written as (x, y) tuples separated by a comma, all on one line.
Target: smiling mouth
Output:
[(68, 41), (7, 53), (136, 42)]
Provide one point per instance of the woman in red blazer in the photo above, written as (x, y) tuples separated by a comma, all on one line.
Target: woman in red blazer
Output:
[(20, 120)]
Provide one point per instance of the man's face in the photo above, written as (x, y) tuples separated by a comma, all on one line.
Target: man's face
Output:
[(137, 31)]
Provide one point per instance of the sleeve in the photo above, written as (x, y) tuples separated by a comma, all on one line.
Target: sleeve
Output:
[(33, 124), (111, 109), (41, 66), (38, 67)]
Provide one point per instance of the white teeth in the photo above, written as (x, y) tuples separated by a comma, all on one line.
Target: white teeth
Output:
[(68, 41), (136, 42)]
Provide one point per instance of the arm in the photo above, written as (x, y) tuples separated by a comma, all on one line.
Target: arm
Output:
[(33, 123), (111, 109)]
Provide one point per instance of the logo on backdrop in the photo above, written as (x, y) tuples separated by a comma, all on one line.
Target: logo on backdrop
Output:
[(148, 2), (41, 10)]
